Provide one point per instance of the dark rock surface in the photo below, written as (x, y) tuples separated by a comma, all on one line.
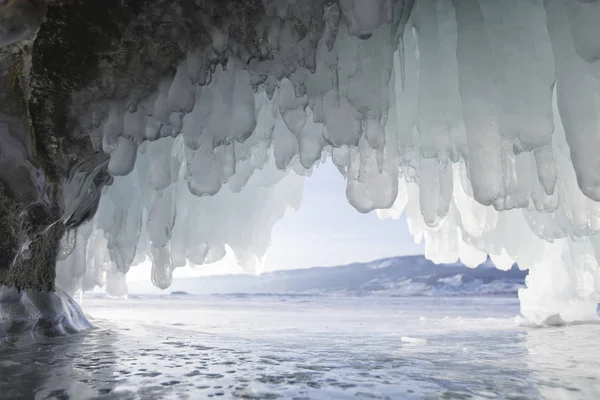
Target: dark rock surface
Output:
[(62, 64)]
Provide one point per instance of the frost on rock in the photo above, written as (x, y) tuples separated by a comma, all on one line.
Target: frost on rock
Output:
[(480, 119)]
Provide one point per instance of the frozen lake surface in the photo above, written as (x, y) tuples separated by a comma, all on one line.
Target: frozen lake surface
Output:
[(307, 347)]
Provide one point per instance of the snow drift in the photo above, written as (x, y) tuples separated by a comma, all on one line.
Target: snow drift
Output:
[(478, 118)]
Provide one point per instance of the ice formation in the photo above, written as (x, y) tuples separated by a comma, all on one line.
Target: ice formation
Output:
[(32, 316), (478, 118)]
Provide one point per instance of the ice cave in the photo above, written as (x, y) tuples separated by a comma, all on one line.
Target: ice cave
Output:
[(135, 130)]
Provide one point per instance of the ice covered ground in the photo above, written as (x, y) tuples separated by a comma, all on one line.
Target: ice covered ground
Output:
[(308, 347)]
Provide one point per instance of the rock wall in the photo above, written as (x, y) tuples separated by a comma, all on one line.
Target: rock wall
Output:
[(62, 62)]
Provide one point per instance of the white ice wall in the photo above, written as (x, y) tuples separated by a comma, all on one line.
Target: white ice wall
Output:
[(479, 118)]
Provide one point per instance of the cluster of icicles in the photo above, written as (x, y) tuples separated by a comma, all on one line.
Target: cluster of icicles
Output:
[(478, 118)]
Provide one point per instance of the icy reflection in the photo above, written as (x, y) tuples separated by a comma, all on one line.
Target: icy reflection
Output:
[(565, 360), (307, 347), (80, 366)]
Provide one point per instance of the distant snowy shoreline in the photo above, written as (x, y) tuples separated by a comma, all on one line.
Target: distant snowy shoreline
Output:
[(408, 276)]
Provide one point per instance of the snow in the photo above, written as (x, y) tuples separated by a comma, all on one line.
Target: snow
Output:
[(412, 340), (477, 118)]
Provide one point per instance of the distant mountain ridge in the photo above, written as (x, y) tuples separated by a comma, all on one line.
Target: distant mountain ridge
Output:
[(397, 276)]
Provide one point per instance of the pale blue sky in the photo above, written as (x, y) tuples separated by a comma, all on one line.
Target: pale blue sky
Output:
[(325, 231), (328, 231)]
